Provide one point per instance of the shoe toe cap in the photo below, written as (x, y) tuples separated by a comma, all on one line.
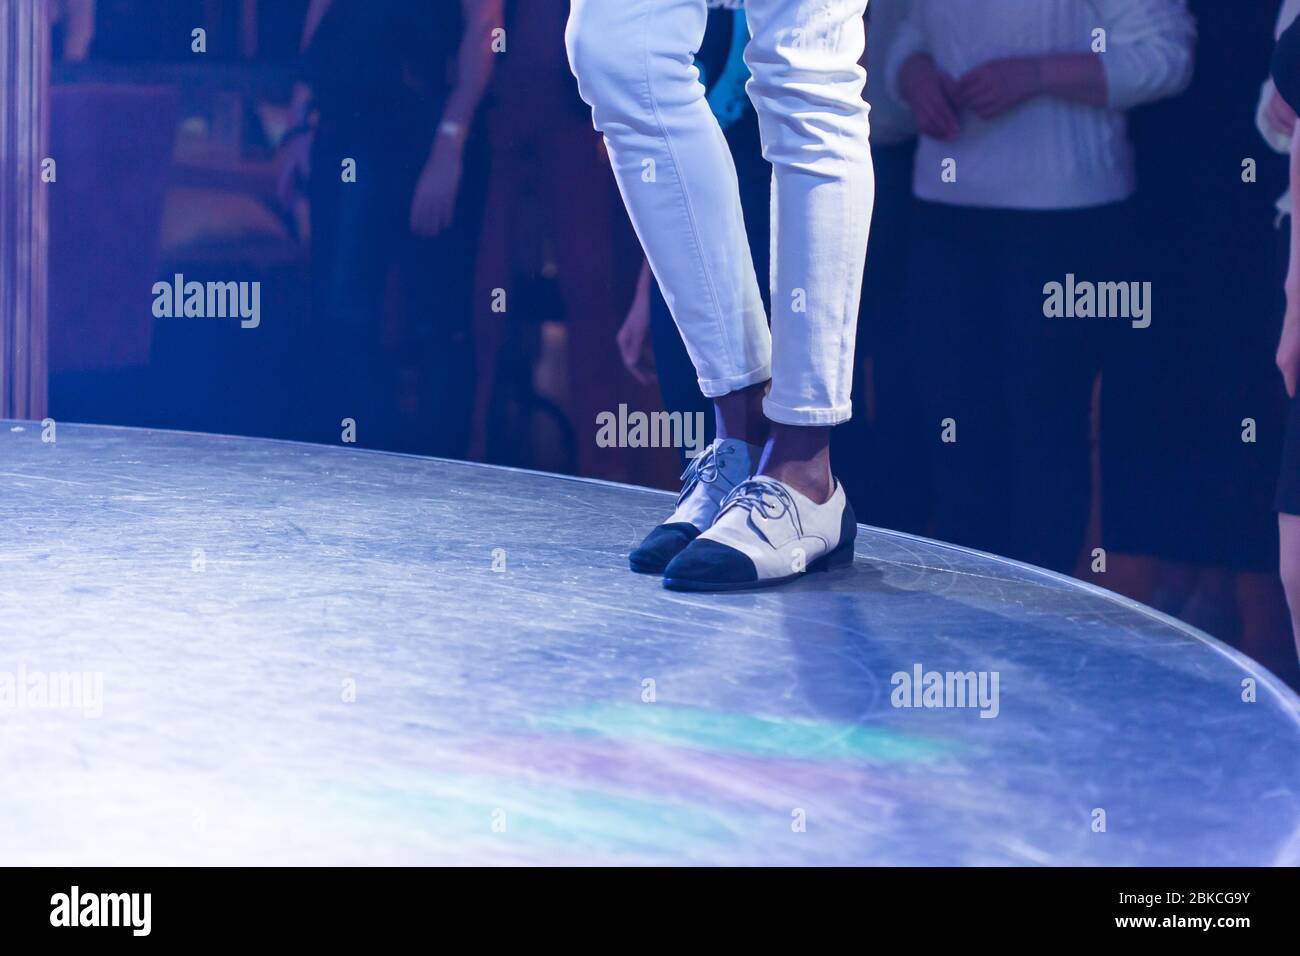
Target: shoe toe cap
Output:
[(709, 563), (662, 545)]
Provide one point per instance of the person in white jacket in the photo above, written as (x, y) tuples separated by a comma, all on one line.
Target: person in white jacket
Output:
[(1023, 173)]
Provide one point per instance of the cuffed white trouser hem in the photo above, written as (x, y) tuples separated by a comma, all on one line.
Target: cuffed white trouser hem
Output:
[(783, 415), (714, 387)]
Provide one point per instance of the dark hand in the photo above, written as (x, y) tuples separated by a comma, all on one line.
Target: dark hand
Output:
[(932, 95), (434, 203), (999, 86)]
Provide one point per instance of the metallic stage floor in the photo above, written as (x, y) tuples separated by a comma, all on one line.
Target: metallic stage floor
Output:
[(321, 655)]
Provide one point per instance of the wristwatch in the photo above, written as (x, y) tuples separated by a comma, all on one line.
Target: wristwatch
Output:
[(451, 128)]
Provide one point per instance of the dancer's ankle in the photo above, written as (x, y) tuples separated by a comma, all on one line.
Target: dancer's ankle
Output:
[(800, 457), (739, 415)]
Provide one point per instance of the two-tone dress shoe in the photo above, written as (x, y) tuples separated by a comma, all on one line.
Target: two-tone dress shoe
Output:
[(708, 479), (765, 533)]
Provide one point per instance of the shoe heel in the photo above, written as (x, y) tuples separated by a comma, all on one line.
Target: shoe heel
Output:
[(841, 557)]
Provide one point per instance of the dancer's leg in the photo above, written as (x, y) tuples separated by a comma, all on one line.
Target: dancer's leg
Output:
[(634, 60), (807, 89)]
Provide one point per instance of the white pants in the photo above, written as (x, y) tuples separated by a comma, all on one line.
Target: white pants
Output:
[(634, 60)]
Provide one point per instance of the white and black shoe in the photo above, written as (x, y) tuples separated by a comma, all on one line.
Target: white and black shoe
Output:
[(708, 479), (766, 533)]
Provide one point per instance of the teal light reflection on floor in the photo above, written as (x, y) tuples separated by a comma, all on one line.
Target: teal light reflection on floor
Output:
[(786, 737), (596, 809)]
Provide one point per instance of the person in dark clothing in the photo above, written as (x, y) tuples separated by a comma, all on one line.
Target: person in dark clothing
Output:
[(396, 179), (1186, 521), (553, 221), (1286, 77)]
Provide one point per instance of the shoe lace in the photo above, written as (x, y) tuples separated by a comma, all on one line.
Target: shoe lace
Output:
[(767, 497), (705, 467)]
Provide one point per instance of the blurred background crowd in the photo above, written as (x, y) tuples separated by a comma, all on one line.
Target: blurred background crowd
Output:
[(473, 288)]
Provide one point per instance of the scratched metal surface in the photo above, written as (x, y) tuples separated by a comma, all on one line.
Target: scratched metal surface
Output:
[(228, 590)]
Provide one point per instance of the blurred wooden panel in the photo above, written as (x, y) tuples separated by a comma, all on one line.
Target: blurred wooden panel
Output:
[(24, 124)]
